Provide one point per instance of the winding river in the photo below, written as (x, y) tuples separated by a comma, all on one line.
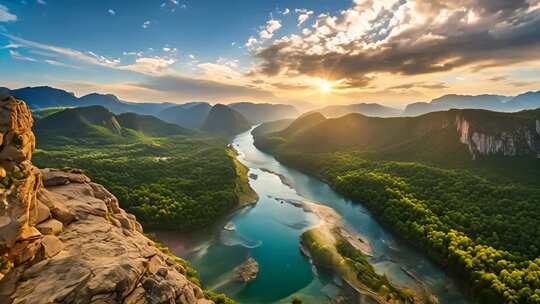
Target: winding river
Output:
[(269, 232)]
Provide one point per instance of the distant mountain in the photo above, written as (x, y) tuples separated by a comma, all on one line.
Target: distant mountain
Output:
[(529, 100), (263, 112), (304, 122), (225, 121), (118, 106), (149, 125), (99, 125), (190, 115), (452, 101), (45, 97), (453, 134), (368, 109)]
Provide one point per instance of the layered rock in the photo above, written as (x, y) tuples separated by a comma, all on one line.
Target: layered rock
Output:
[(20, 181), (65, 239)]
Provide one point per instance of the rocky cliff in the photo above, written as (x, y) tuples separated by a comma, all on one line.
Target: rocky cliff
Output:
[(520, 140), (64, 239)]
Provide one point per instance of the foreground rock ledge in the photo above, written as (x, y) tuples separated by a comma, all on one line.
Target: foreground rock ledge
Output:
[(66, 240)]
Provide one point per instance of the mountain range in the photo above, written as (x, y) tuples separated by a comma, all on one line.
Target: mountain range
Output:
[(194, 114), (189, 115), (369, 109), (98, 125), (458, 133), (525, 101)]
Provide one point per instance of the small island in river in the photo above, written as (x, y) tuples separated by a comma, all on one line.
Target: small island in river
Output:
[(332, 245), (247, 272)]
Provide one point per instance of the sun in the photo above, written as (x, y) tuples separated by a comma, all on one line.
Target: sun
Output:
[(325, 86)]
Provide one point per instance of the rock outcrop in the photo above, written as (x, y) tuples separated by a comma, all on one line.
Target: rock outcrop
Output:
[(520, 140), (64, 239), (246, 272)]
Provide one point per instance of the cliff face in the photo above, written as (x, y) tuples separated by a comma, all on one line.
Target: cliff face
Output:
[(512, 142), (64, 239)]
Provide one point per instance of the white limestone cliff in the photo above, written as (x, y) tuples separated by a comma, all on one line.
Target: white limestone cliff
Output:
[(519, 141)]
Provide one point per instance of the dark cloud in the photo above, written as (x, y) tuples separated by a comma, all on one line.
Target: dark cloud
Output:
[(423, 85), (498, 78), (477, 33), (199, 88), (519, 84), (288, 86)]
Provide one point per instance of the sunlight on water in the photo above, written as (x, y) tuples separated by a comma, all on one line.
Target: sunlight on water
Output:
[(269, 232)]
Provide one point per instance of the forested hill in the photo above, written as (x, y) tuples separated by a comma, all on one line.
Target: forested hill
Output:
[(262, 112), (477, 215), (368, 109), (96, 123), (168, 176), (465, 133), (224, 120)]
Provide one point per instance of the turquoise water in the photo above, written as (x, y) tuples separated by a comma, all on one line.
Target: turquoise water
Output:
[(269, 232)]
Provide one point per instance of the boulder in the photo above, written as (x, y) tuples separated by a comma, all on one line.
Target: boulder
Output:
[(42, 213), (56, 206), (51, 246), (56, 177), (49, 227)]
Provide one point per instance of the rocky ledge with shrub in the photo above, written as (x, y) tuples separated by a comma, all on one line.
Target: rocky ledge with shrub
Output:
[(64, 239)]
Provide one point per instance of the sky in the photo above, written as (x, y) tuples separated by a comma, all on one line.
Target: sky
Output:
[(315, 52)]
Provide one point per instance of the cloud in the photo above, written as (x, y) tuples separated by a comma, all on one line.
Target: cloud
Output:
[(145, 65), (252, 41), (11, 46), (193, 88), (146, 24), (286, 11), (60, 64), (519, 84), (88, 57), (303, 15), (137, 54), (149, 65), (421, 85), (16, 55), (289, 86), (408, 37), (170, 50), (112, 12), (498, 78), (42, 2), (268, 30), (5, 15)]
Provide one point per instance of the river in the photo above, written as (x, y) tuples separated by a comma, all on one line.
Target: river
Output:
[(269, 232)]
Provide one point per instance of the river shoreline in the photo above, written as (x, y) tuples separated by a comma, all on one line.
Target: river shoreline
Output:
[(463, 286), (271, 232)]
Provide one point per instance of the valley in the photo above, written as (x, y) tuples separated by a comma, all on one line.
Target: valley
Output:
[(270, 232), (270, 152), (443, 199)]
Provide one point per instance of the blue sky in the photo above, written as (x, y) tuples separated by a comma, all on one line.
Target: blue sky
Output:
[(147, 50)]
